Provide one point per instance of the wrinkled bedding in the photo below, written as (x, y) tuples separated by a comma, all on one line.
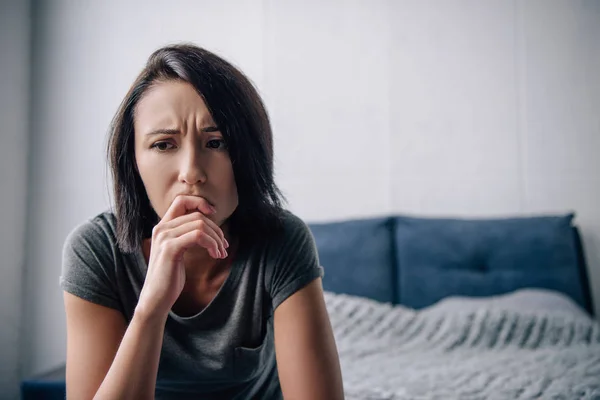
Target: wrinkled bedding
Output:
[(530, 344)]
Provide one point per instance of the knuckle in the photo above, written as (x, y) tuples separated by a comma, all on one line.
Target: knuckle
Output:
[(160, 235), (198, 235), (178, 201), (169, 247)]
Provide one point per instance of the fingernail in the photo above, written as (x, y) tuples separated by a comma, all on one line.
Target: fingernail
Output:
[(226, 243), (219, 254), (225, 254)]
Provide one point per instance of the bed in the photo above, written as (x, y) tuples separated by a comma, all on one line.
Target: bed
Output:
[(439, 308), (434, 308)]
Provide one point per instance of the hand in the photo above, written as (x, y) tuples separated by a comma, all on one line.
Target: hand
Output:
[(171, 237)]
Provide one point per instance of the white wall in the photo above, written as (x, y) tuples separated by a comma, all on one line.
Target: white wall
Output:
[(14, 98), (458, 107), (496, 111), (326, 87)]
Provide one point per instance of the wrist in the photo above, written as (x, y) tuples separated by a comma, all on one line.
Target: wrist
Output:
[(149, 315)]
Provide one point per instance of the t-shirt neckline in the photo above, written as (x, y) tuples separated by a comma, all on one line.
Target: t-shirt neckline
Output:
[(237, 265)]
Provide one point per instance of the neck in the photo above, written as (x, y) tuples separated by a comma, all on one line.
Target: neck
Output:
[(200, 266)]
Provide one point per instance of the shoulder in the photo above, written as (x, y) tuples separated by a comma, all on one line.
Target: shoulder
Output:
[(98, 231), (292, 261), (293, 223), (292, 230), (90, 261), (293, 237)]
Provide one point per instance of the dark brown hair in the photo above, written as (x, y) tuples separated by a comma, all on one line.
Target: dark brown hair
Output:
[(240, 114)]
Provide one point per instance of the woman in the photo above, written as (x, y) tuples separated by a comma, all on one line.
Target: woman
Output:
[(199, 285)]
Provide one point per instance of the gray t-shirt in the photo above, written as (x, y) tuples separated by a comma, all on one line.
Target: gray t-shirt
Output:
[(227, 350)]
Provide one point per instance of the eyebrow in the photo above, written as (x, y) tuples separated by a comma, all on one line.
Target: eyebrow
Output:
[(176, 131)]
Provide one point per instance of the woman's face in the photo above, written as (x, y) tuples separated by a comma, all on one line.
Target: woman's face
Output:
[(179, 150)]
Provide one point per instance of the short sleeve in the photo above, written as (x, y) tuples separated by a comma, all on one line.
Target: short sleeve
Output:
[(87, 262), (295, 261)]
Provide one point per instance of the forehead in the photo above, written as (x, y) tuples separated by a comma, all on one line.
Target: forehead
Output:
[(170, 103)]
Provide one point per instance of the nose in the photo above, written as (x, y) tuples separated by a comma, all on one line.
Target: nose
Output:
[(191, 170)]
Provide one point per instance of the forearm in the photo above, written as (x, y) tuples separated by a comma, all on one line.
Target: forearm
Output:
[(132, 374)]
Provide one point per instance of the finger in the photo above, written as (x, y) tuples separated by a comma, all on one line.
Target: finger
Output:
[(201, 225), (217, 230), (193, 238), (194, 217), (184, 203)]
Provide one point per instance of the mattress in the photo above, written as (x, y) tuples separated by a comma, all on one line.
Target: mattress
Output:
[(529, 344)]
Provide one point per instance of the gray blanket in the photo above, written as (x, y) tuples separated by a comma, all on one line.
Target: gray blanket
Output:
[(507, 347)]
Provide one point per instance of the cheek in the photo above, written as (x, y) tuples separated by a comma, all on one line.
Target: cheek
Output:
[(225, 182), (232, 186), (154, 180)]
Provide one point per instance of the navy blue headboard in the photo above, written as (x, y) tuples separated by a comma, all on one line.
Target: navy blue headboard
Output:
[(587, 303), (358, 257), (418, 261)]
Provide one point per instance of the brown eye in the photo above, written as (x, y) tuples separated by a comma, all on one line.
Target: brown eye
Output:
[(162, 146), (217, 144)]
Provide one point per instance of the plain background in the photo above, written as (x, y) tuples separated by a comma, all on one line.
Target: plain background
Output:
[(437, 108)]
